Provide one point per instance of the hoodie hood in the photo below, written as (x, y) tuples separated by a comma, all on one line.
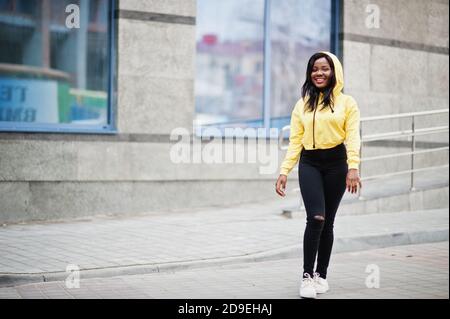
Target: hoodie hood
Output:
[(338, 73)]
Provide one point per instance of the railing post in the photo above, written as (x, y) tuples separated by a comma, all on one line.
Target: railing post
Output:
[(360, 197), (413, 149)]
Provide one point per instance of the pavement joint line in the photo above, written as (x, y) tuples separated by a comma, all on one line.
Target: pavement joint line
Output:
[(343, 244)]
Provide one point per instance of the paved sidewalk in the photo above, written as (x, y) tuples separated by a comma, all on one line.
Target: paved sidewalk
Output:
[(411, 271), (105, 247)]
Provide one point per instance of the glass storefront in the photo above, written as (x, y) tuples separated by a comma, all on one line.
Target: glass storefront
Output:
[(231, 57), (55, 65), (229, 61)]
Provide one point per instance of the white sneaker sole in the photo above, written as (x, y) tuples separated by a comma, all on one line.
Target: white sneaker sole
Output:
[(322, 291), (308, 296)]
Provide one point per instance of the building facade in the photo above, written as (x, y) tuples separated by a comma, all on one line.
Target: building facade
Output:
[(93, 96)]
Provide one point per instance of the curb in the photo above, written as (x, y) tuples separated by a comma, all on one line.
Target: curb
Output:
[(349, 244)]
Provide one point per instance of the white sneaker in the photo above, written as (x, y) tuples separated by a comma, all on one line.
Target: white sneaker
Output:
[(320, 284), (307, 287)]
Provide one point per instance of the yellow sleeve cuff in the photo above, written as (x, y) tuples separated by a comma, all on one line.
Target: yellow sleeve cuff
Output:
[(353, 166)]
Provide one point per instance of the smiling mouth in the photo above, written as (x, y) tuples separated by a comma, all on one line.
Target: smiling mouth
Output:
[(319, 80)]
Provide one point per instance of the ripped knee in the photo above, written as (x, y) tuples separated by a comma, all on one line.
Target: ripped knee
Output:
[(319, 218)]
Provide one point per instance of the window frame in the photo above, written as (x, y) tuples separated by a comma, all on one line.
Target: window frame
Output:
[(110, 127), (266, 119)]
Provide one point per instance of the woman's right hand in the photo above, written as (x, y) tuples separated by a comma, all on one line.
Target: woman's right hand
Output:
[(281, 185)]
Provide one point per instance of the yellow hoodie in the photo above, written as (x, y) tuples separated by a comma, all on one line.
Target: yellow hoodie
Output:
[(324, 129)]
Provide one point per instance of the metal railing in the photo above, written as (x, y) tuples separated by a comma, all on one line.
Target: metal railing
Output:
[(413, 132)]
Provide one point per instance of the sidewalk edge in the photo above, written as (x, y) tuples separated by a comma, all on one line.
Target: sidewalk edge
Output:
[(348, 244)]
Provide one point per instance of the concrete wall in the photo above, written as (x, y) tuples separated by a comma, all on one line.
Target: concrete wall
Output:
[(53, 176), (400, 67)]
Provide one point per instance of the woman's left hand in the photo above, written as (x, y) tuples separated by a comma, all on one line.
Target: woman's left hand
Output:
[(353, 180)]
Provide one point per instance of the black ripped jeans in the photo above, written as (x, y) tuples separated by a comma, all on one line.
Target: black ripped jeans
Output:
[(322, 176)]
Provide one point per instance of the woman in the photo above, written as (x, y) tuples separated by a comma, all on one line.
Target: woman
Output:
[(322, 120)]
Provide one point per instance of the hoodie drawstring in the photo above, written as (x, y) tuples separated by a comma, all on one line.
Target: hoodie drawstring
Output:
[(314, 121)]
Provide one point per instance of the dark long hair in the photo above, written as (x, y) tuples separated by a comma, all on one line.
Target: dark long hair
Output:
[(311, 92)]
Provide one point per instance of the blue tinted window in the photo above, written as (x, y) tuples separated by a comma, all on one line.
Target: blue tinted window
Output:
[(54, 71)]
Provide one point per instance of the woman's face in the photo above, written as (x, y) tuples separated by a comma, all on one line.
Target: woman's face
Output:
[(321, 73)]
